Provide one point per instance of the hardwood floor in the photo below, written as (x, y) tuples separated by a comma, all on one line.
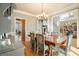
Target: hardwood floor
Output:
[(28, 51), (74, 42)]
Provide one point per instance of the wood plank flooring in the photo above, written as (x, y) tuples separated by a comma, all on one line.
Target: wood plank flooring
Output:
[(28, 51), (74, 43)]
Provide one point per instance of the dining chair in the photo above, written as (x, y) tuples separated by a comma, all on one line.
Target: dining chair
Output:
[(49, 44), (32, 41), (66, 48), (40, 44)]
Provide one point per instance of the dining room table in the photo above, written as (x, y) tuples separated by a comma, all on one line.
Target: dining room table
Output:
[(53, 41)]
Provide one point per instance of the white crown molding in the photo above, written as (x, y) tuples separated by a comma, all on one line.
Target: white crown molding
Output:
[(65, 9), (22, 12)]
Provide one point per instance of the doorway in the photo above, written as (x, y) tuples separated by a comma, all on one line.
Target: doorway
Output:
[(20, 32)]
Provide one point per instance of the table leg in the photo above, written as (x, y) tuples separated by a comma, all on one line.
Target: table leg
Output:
[(50, 50)]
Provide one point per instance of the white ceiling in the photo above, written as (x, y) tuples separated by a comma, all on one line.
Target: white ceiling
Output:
[(35, 8)]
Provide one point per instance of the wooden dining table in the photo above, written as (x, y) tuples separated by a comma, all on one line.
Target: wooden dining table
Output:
[(52, 41)]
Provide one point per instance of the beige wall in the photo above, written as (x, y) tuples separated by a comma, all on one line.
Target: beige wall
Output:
[(31, 25)]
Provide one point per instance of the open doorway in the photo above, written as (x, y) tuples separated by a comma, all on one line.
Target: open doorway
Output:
[(20, 32)]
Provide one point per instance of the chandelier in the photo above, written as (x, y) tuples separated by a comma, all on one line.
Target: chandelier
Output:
[(42, 16)]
